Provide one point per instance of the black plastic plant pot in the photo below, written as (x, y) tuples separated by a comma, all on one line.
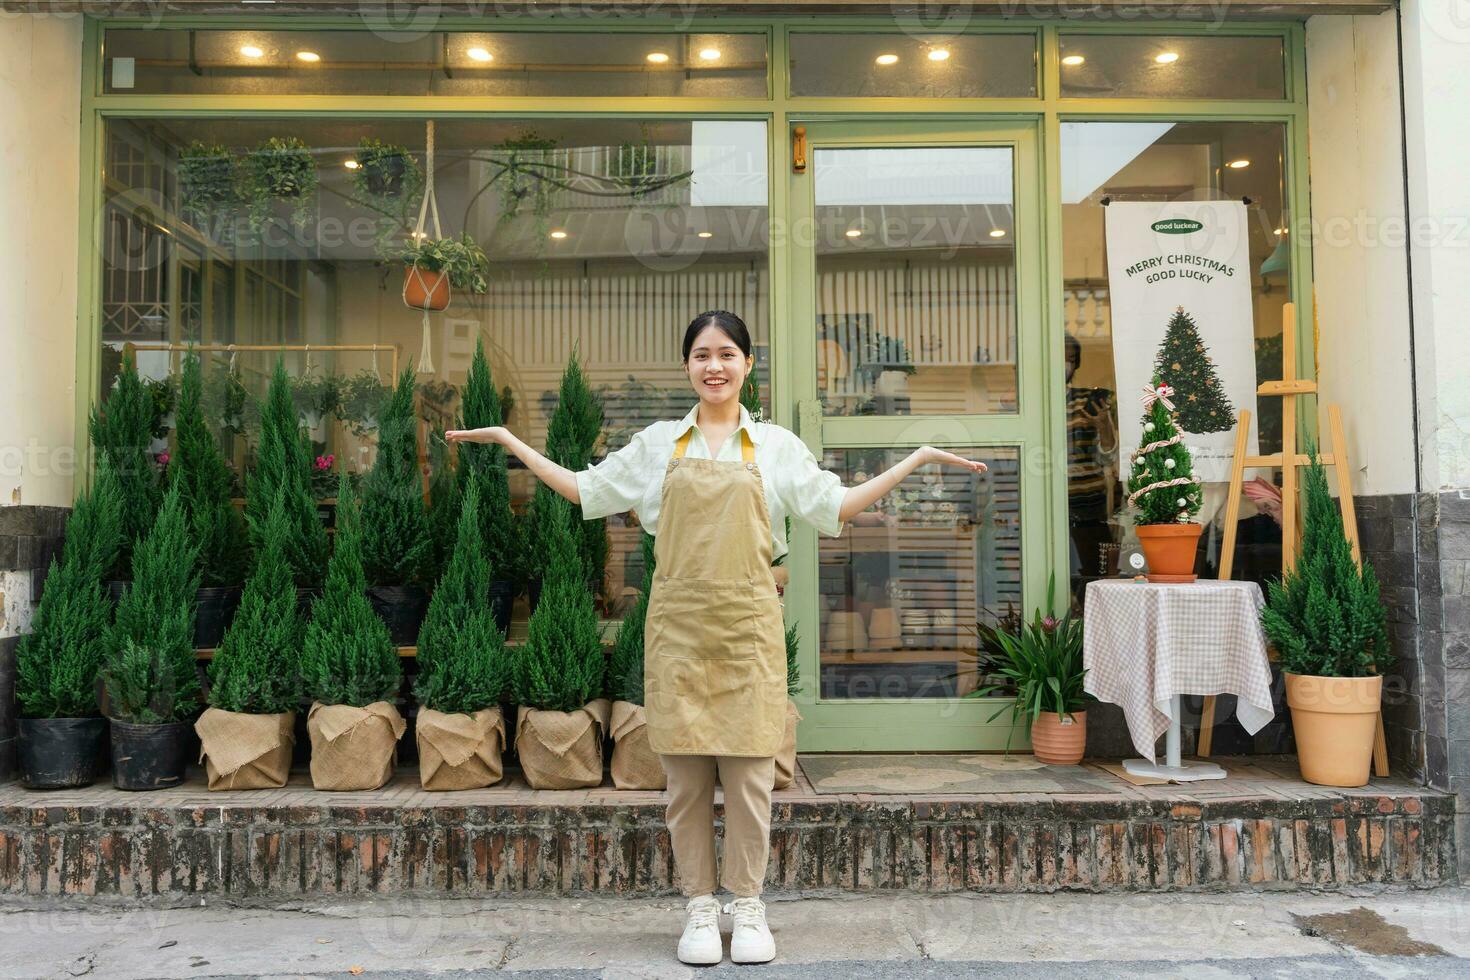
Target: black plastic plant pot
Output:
[(402, 608), (502, 600), (216, 608), (60, 753), (385, 177), (146, 757)]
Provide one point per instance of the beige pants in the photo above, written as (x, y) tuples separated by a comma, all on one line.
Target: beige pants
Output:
[(747, 783)]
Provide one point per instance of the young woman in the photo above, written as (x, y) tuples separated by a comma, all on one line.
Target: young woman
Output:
[(713, 488)]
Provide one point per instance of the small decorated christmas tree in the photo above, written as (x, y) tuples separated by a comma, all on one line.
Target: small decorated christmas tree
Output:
[(560, 667), (481, 407), (256, 669), (199, 469), (625, 667), (463, 666), (283, 463), (397, 547), (347, 657), (122, 430), (1185, 361), (157, 611), (1162, 487)]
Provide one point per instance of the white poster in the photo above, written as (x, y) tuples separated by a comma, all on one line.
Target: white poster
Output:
[(1179, 285)]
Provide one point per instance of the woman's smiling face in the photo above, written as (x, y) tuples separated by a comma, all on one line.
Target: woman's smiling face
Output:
[(716, 367)]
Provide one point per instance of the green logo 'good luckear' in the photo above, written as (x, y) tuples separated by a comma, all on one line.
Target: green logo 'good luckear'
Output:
[(1176, 226)]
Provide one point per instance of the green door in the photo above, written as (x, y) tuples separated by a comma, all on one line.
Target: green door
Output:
[(917, 318)]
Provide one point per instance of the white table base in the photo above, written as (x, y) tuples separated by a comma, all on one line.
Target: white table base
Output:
[(1173, 767)]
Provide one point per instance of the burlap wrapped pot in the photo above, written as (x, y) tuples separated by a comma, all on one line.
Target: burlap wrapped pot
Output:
[(353, 748), (562, 749), (242, 751), (634, 764), (459, 751), (786, 754)]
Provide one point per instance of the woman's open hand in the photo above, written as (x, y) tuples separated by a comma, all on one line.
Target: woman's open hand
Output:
[(929, 454), (491, 434)]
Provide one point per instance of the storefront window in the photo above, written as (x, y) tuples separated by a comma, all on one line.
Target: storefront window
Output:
[(1156, 66), (466, 63), (1161, 161), (604, 238), (915, 66)]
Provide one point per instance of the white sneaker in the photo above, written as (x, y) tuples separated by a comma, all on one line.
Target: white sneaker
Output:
[(700, 945), (751, 940)]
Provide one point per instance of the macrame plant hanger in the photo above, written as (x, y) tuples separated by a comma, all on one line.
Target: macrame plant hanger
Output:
[(429, 207)]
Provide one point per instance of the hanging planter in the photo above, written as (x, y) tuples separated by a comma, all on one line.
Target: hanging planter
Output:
[(385, 172), (279, 169), (207, 182)]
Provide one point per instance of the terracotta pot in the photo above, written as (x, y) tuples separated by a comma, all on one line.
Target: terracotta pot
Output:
[(1169, 550), (1335, 719), (425, 290), (1059, 741)]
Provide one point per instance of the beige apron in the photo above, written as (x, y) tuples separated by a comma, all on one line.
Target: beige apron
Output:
[(714, 643)]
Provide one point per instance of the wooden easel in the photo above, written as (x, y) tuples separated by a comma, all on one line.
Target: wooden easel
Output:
[(1288, 389)]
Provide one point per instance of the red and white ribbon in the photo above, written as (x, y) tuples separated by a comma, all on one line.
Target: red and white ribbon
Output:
[(1160, 394)]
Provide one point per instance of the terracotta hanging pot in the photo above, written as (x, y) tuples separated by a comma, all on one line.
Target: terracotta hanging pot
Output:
[(1059, 740), (1335, 719), (425, 290), (1169, 550)]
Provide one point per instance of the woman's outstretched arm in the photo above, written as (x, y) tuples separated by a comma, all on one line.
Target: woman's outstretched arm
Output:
[(861, 496), (554, 475)]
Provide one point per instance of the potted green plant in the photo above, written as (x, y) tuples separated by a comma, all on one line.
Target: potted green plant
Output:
[(316, 396), (559, 672), (463, 670), (481, 407), (199, 469), (247, 732), (432, 265), (1326, 619), (350, 670), (122, 429), (1042, 664), (385, 172), (634, 764), (279, 169), (155, 622), (362, 398), (163, 394), (227, 402), (446, 500), (397, 546), (207, 181), (60, 728), (1164, 491)]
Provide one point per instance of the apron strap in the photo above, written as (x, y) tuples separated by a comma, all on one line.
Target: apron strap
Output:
[(747, 448), (682, 445)]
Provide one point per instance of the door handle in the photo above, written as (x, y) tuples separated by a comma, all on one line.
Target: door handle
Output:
[(798, 150)]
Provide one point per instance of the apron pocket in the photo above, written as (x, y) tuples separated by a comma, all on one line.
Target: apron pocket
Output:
[(703, 619)]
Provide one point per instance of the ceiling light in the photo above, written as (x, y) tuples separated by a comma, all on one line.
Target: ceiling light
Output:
[(480, 54), (997, 233), (351, 164), (311, 57), (558, 234), (939, 54), (1238, 164), (887, 59), (1166, 57), (710, 54), (854, 232), (657, 57), (420, 234), (251, 51), (1073, 60), (1280, 231), (706, 234)]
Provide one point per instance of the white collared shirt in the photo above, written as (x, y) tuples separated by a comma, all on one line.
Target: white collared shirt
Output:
[(633, 477)]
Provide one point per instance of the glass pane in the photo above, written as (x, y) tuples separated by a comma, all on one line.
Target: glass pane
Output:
[(1113, 66), (603, 236), (904, 585), (916, 281), (1161, 162), (485, 63), (916, 66)]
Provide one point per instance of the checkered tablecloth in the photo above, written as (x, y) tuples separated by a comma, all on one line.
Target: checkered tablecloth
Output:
[(1144, 643)]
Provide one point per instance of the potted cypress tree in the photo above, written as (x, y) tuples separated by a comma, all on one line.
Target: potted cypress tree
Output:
[(397, 546), (350, 670), (481, 406), (559, 671), (199, 470), (446, 499), (634, 764), (463, 670), (122, 430), (247, 732), (283, 464), (1327, 621), (155, 622), (786, 754), (1165, 492), (60, 728)]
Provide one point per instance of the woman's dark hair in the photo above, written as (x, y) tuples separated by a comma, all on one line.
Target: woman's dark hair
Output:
[(728, 323)]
